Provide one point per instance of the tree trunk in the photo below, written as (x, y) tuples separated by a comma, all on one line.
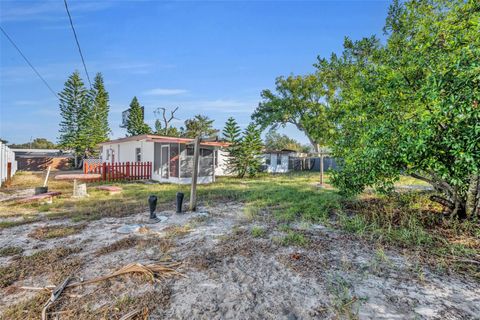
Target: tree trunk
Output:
[(454, 203), (471, 206)]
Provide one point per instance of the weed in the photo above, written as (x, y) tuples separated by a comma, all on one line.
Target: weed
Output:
[(344, 304), (294, 238), (258, 232)]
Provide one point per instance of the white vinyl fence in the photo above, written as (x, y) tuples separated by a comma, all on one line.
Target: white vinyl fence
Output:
[(7, 159)]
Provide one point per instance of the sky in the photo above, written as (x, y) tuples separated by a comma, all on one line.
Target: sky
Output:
[(212, 58)]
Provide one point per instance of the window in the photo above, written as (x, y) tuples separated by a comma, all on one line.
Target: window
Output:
[(216, 158), (206, 152), (268, 159), (279, 159), (138, 154), (190, 151), (108, 154), (118, 153)]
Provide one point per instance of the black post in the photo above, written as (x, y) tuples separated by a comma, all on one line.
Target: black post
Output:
[(179, 202), (152, 203)]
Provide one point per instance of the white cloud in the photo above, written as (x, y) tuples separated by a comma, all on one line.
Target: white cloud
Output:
[(164, 92)]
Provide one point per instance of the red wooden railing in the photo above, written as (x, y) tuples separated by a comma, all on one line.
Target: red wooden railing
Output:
[(120, 170)]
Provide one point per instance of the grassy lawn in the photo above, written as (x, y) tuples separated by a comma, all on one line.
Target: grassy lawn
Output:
[(402, 220)]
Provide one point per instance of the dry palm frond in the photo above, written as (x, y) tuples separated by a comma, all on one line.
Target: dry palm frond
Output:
[(155, 272)]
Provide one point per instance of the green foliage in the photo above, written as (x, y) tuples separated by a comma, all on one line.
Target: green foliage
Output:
[(84, 115), (298, 101), (232, 135), (170, 131), (231, 131), (294, 238), (99, 113), (248, 151), (277, 141), (135, 124), (258, 232), (75, 106), (37, 143), (199, 126), (411, 105)]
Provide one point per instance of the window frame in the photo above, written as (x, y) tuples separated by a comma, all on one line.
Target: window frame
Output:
[(138, 154)]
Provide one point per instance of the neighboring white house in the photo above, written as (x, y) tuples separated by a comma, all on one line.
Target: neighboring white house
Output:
[(171, 157), (8, 164), (280, 161)]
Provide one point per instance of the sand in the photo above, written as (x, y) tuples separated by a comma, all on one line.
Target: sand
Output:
[(233, 275)]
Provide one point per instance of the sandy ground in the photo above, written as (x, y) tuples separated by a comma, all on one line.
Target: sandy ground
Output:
[(233, 275)]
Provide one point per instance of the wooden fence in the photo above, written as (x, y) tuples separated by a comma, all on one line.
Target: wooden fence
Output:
[(120, 170)]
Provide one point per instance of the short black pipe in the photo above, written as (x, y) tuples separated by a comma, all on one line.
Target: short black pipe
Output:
[(179, 202), (152, 203)]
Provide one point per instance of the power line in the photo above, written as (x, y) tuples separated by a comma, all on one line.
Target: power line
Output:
[(78, 44), (25, 58)]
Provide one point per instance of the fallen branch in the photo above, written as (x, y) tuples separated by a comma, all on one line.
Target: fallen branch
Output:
[(55, 295)]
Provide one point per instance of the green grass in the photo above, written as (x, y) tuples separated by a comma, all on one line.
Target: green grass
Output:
[(408, 219), (294, 239), (258, 232)]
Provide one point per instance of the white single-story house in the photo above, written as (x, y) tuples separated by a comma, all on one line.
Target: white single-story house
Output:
[(280, 161), (171, 157)]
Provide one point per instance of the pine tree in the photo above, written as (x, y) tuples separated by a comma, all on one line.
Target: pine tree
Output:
[(135, 123), (250, 149), (99, 114), (75, 110), (232, 135)]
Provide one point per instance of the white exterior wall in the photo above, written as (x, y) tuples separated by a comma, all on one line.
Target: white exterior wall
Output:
[(6, 156), (278, 168), (127, 151), (221, 169)]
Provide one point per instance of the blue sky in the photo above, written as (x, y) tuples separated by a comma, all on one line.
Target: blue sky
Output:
[(212, 58)]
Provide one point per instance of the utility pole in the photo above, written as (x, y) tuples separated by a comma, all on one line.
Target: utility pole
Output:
[(193, 189)]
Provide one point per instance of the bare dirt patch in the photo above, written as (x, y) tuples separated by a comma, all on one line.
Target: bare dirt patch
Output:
[(233, 271)]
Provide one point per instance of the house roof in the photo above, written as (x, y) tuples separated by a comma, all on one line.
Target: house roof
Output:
[(282, 151), (158, 138)]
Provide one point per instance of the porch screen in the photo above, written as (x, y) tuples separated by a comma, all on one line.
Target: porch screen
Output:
[(186, 162), (174, 160)]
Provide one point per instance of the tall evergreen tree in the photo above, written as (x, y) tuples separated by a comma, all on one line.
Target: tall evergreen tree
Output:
[(250, 151), (99, 113), (232, 135), (74, 110), (135, 123)]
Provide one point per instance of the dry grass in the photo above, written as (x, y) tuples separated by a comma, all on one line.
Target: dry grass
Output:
[(162, 244), (10, 251), (177, 231), (54, 263), (74, 308), (51, 232)]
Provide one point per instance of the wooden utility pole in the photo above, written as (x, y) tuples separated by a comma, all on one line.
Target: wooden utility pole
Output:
[(193, 189), (321, 168)]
